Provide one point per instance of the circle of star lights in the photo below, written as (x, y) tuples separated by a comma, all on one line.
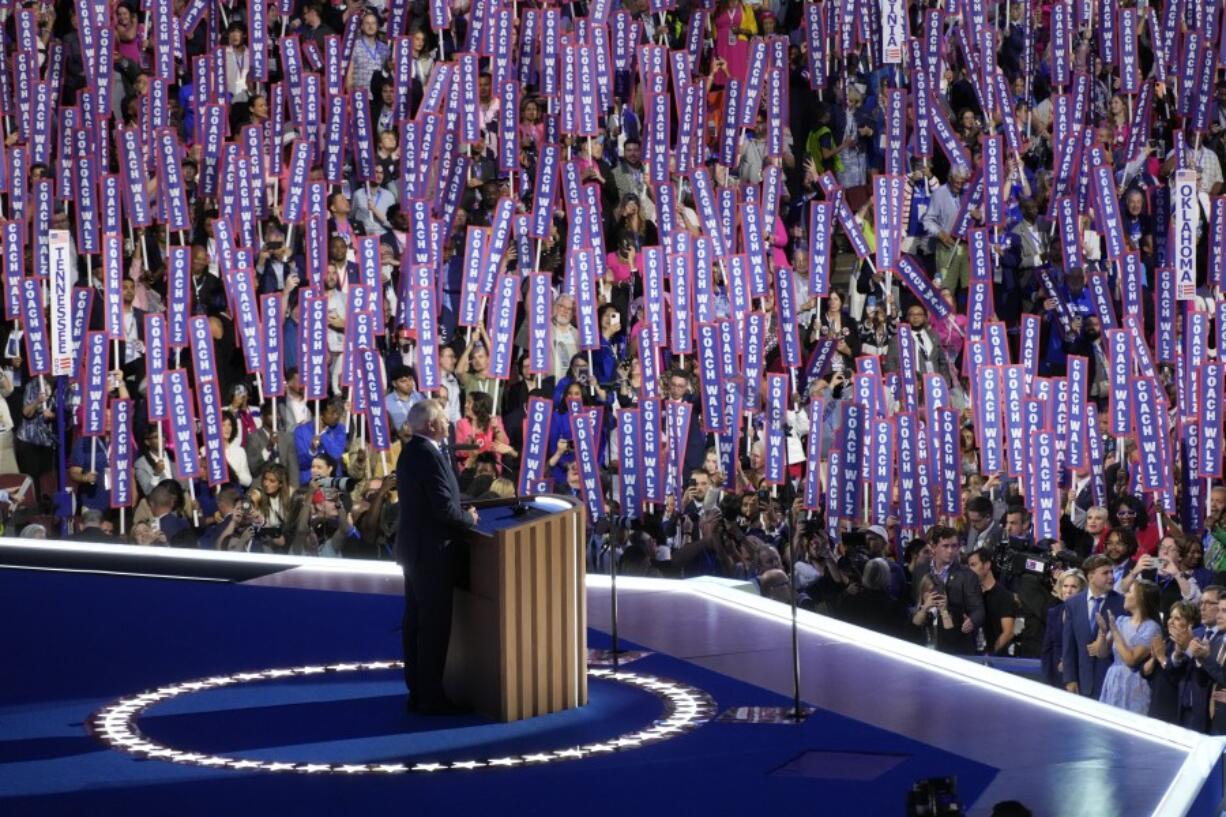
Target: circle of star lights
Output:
[(685, 709)]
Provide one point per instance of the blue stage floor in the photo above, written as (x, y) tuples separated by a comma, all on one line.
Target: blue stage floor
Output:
[(75, 642)]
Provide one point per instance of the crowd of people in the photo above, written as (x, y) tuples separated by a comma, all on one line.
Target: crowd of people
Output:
[(421, 166)]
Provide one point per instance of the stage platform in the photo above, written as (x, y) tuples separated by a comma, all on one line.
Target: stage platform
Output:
[(156, 681)]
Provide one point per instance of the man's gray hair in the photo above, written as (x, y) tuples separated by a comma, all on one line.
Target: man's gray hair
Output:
[(876, 574), (422, 412)]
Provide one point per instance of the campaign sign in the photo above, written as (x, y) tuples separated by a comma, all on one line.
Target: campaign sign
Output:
[(585, 432), (1044, 485), (709, 377), (131, 169), (585, 277), (945, 427), (155, 365), (1150, 426), (678, 415), (38, 352), (776, 420), (182, 425), (313, 351), (704, 197), (1211, 449), (62, 276), (202, 347), (630, 485), (540, 312), (170, 181), (502, 321), (881, 464), (681, 272), (820, 249), (855, 423), (921, 287), (813, 456), (785, 300), (533, 465), (653, 486), (1119, 359), (94, 385), (988, 416), (208, 397), (546, 191), (121, 455), (1076, 455), (1165, 308), (1186, 220), (14, 263), (425, 310), (370, 373)]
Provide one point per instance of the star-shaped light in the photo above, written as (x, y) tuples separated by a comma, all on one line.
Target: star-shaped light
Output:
[(684, 709), (429, 767), (598, 747), (538, 758)]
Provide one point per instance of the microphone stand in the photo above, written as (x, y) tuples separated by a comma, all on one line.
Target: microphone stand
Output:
[(797, 713), (613, 594)]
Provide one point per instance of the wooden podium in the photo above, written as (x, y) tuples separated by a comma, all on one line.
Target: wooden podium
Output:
[(519, 629)]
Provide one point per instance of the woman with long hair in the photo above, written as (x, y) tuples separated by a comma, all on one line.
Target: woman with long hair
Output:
[(1121, 126), (480, 427), (236, 455), (1131, 637), (531, 123), (273, 496)]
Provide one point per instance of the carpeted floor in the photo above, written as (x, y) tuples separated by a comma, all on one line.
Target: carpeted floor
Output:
[(71, 643)]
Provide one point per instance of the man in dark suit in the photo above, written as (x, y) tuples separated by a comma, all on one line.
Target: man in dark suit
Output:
[(1086, 656), (1201, 694), (431, 519), (960, 587)]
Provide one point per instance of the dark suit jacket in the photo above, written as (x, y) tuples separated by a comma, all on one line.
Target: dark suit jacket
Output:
[(430, 512), (1213, 668), (963, 597), (1078, 665), (1053, 647)]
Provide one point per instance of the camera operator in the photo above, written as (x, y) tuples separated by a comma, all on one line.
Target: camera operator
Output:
[(811, 546), (233, 525), (1000, 608)]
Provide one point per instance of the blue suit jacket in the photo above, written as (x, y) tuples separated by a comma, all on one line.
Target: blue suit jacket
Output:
[(1078, 665)]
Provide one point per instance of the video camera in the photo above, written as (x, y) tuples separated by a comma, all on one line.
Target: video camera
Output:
[(1016, 557)]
